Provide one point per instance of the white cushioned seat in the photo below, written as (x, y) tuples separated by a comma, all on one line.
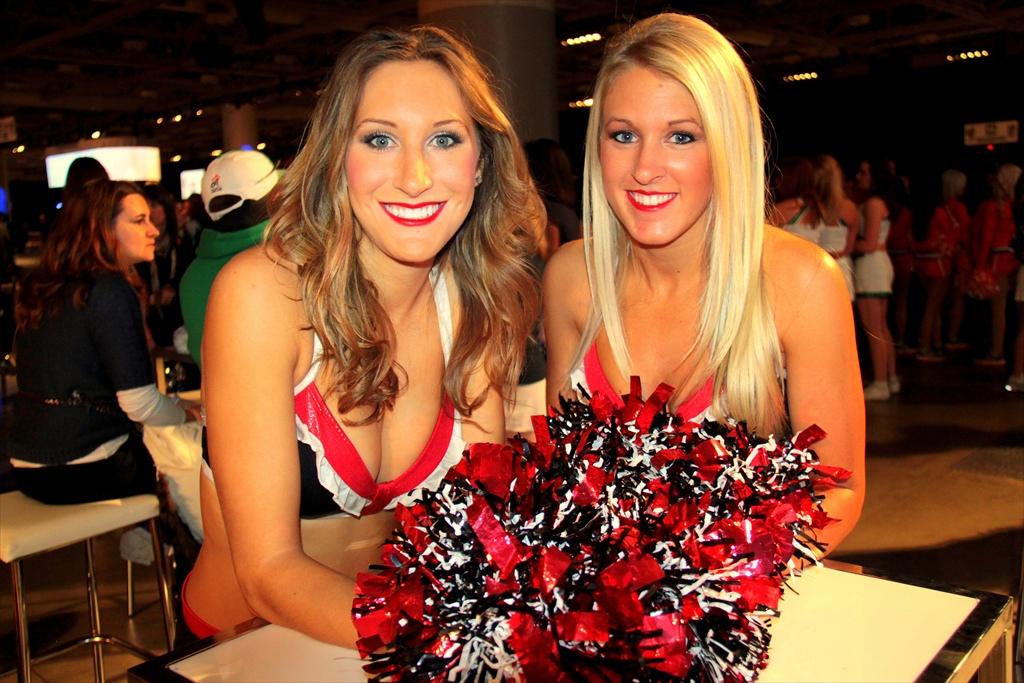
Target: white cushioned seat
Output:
[(28, 526)]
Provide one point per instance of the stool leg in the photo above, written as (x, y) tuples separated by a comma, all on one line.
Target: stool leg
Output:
[(21, 624), (94, 613), (163, 583), (130, 585)]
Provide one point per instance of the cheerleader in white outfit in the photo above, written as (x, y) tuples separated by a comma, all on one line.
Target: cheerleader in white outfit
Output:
[(873, 276)]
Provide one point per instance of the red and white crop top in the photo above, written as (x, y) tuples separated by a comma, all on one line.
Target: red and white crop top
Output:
[(333, 476), (590, 375)]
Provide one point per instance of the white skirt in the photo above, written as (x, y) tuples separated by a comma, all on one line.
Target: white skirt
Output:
[(873, 274)]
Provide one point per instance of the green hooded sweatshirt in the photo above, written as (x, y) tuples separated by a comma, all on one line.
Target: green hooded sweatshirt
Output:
[(215, 249)]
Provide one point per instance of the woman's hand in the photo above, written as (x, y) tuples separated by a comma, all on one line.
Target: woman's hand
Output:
[(193, 411)]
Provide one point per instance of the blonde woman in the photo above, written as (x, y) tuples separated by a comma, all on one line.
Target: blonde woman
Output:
[(679, 280), (838, 216), (992, 254), (348, 361)]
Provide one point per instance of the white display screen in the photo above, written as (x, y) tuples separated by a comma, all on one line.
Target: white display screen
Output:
[(192, 182), (137, 164)]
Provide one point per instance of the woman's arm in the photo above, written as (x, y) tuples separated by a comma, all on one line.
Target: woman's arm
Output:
[(146, 405), (487, 423), (823, 384), (849, 216), (566, 301), (251, 349), (940, 233), (874, 213), (984, 233)]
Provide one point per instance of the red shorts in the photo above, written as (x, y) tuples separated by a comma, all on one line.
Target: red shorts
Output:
[(200, 627)]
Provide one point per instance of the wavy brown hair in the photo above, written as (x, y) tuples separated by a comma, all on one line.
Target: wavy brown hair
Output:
[(313, 227), (81, 247)]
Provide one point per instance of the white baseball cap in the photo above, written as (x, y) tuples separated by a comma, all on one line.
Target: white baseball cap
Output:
[(235, 176)]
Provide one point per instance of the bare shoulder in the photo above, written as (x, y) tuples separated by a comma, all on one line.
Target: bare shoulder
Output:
[(567, 262), (874, 205), (256, 297), (792, 260), (565, 280), (848, 212), (259, 272), (799, 274)]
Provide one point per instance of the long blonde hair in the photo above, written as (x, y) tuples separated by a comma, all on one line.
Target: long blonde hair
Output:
[(736, 328), (827, 188), (314, 227)]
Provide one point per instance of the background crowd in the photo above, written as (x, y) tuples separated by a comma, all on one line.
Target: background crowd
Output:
[(914, 258)]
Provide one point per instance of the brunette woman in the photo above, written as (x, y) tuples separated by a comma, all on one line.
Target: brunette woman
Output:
[(83, 366), (348, 361)]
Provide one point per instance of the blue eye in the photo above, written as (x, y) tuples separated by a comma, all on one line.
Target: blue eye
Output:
[(624, 136), (446, 140), (681, 138), (377, 140)]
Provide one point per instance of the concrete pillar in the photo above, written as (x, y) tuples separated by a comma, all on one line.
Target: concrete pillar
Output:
[(516, 40), (239, 126)]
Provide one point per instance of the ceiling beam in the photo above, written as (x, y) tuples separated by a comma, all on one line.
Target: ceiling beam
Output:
[(98, 22)]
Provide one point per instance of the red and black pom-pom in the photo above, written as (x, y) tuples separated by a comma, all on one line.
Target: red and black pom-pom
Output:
[(625, 545)]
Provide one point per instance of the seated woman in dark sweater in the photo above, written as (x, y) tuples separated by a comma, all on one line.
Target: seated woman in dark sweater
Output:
[(82, 360)]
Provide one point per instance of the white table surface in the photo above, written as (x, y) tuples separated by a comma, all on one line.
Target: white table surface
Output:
[(835, 626)]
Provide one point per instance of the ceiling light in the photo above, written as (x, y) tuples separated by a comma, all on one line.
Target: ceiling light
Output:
[(579, 104), (216, 152), (805, 76), (964, 56), (261, 146), (176, 158), (96, 135), (19, 149), (199, 112), (177, 118), (579, 40), (159, 120)]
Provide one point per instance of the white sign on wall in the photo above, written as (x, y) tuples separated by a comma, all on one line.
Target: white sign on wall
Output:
[(991, 133)]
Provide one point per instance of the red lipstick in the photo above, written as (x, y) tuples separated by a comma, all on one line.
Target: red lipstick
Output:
[(412, 214), (631, 194)]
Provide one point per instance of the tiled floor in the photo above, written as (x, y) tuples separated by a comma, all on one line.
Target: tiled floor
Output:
[(945, 501)]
